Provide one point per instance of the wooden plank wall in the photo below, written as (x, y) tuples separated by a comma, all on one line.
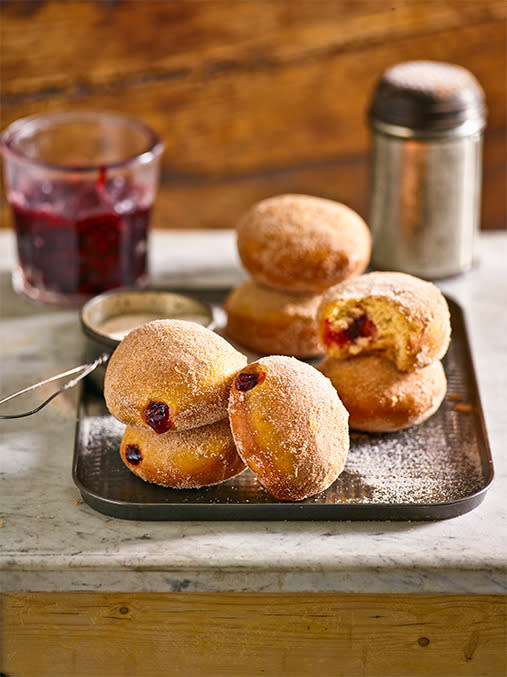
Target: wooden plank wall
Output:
[(252, 97)]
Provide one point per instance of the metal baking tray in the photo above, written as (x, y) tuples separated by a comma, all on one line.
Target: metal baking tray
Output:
[(437, 470)]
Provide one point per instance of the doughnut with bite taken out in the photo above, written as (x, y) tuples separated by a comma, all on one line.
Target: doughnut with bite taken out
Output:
[(395, 315)]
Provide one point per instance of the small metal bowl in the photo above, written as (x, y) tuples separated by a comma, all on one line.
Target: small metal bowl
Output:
[(108, 317)]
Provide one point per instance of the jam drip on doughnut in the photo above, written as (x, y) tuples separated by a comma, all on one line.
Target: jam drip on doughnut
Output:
[(133, 454), (157, 416), (360, 327), (246, 380)]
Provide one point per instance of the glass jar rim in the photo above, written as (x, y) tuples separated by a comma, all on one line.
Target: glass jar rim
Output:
[(154, 145)]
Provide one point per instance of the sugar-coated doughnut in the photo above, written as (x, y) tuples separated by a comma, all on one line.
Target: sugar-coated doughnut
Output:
[(392, 314), (183, 460), (171, 375), (379, 398), (270, 321), (302, 243), (289, 426)]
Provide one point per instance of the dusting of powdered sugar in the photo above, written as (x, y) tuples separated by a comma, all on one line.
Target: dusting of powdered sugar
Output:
[(415, 465), (100, 432)]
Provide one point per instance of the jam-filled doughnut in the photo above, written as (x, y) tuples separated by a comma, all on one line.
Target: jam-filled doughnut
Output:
[(183, 460), (302, 243), (379, 398), (273, 322), (171, 375), (289, 426), (392, 314)]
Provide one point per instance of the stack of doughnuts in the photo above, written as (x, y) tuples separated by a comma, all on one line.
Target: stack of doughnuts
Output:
[(294, 247), (169, 382), (196, 414), (384, 334)]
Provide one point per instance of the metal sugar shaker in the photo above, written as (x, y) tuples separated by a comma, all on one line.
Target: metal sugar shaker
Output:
[(427, 122)]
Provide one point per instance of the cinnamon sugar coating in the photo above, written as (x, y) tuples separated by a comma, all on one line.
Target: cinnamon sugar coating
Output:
[(180, 364), (182, 460), (407, 318), (290, 427), (301, 243), (273, 322), (379, 398)]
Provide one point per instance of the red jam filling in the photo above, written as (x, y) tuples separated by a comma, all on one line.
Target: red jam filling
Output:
[(158, 416), (360, 327), (133, 454), (248, 380)]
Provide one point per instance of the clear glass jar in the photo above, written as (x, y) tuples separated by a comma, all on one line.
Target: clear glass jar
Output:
[(81, 187)]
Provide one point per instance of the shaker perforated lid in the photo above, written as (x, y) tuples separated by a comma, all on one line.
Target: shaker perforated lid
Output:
[(428, 97)]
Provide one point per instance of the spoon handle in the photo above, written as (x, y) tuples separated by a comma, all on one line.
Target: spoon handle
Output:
[(82, 370)]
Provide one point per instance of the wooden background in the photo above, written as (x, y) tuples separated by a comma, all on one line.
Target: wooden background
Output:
[(252, 97)]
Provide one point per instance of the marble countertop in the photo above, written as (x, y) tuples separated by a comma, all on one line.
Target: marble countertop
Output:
[(51, 541)]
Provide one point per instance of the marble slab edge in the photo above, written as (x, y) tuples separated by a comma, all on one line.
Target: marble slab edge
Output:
[(377, 580)]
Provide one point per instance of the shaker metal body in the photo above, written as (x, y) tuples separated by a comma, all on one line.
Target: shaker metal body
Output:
[(427, 120)]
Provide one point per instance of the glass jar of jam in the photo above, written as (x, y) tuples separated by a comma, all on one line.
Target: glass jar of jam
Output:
[(81, 187)]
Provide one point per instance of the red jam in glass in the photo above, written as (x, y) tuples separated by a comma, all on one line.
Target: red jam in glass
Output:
[(81, 238)]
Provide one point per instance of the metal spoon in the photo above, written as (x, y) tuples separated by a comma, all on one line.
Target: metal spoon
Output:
[(85, 369)]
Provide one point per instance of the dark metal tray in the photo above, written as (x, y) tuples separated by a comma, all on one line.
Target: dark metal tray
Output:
[(437, 470)]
